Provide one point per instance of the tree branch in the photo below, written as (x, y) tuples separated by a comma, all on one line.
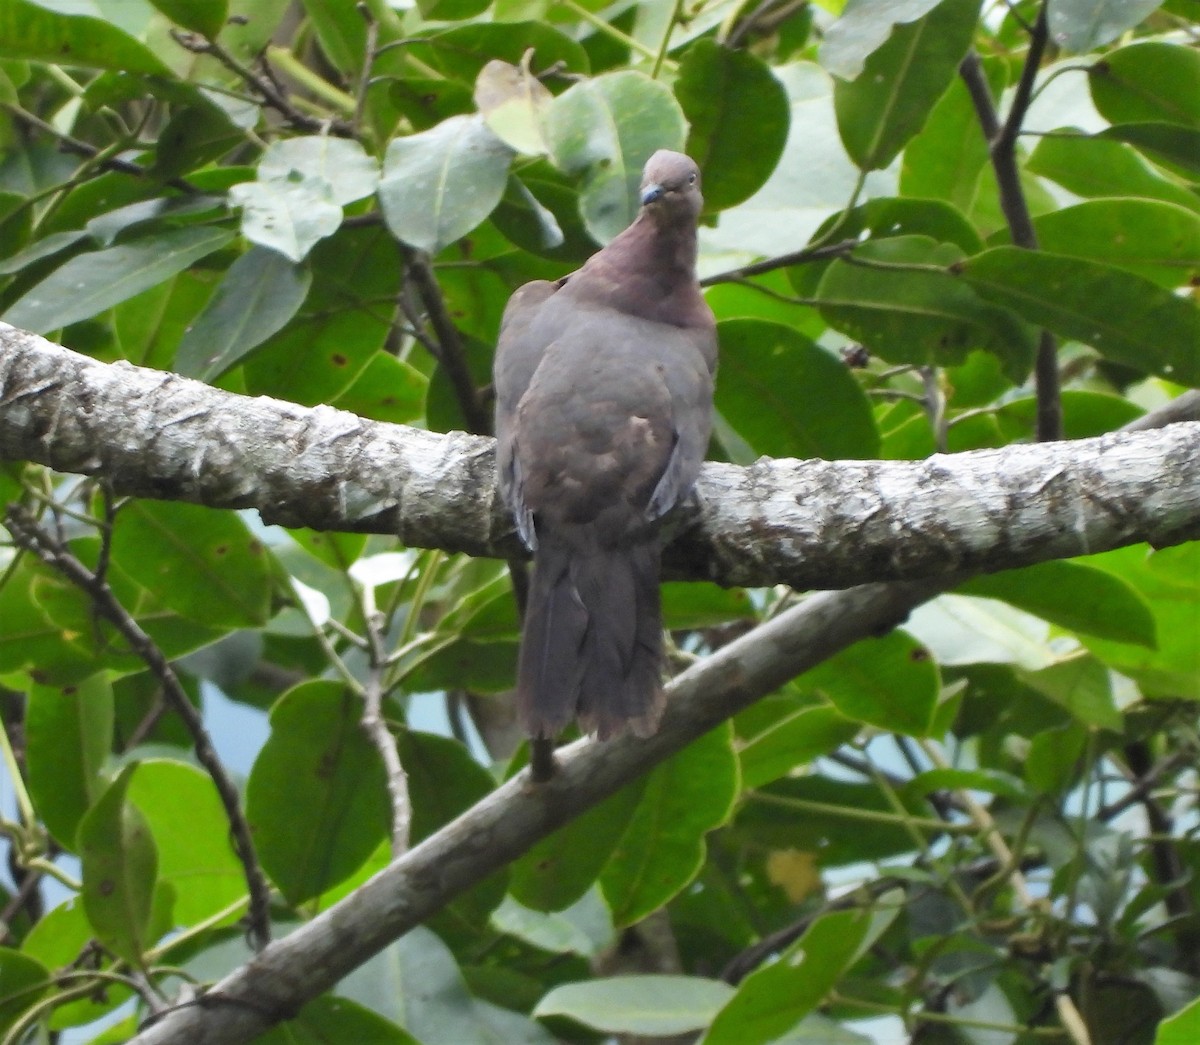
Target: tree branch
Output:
[(809, 524), (1002, 146), (275, 984)]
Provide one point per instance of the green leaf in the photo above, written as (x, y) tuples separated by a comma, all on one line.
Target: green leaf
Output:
[(206, 17), (317, 798), (260, 293), (890, 682), (513, 102), (90, 283), (1158, 241), (1082, 685), (863, 28), (738, 114), (607, 128), (46, 247), (557, 871), (32, 30), (1124, 317), (1149, 81), (1183, 1028), (1166, 143), (460, 53), (901, 81), (662, 848), (194, 851), (775, 997), (202, 563), (793, 741), (386, 389), (1082, 25), (917, 315), (439, 184), (23, 981), (650, 1005), (290, 217), (68, 737), (120, 866), (452, 10), (788, 397), (964, 629), (947, 159), (1169, 582), (328, 1019), (1090, 167), (341, 163), (1075, 596)]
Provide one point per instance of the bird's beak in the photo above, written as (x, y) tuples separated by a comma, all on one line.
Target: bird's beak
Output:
[(651, 192)]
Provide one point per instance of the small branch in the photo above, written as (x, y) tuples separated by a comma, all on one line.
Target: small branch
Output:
[(451, 354), (799, 257), (33, 538), (376, 727), (370, 54), (1002, 140), (270, 94)]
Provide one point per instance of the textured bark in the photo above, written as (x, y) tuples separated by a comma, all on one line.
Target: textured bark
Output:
[(810, 524)]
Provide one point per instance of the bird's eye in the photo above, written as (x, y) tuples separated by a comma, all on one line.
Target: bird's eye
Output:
[(691, 179)]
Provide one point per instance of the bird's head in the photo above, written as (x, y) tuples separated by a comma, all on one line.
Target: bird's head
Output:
[(671, 187)]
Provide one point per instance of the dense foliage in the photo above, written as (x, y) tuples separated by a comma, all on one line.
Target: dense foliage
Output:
[(981, 827)]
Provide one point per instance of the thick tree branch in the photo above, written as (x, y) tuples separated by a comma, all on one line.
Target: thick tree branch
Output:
[(809, 524), (276, 983)]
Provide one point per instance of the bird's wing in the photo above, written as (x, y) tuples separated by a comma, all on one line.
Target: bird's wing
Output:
[(519, 350)]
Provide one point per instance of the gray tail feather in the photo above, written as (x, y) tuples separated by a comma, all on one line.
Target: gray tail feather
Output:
[(592, 642)]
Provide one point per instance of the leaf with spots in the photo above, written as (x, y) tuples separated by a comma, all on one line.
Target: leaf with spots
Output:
[(317, 797), (203, 564), (120, 865)]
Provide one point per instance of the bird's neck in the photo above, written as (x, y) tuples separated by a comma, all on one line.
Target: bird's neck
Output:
[(663, 247)]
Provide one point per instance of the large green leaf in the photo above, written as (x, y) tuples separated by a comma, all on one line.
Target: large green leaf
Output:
[(792, 741), (1124, 317), (33, 30), (344, 165), (1159, 241), (206, 17), (1091, 167), (863, 28), (460, 53), (1169, 582), (317, 798), (260, 293), (916, 314), (650, 1005), (1073, 595), (203, 564), (1149, 81), (1183, 1028), (290, 217), (1083, 686), (775, 997), (329, 1019), (788, 397), (738, 115), (1080, 25), (890, 682), (120, 866), (23, 980), (1169, 144), (194, 851), (889, 102), (947, 160), (662, 848), (68, 737), (439, 184), (557, 871), (90, 283), (606, 128)]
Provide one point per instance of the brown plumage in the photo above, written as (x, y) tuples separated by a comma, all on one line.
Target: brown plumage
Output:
[(604, 385)]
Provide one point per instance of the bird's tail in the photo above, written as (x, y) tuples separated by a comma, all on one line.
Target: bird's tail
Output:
[(591, 647)]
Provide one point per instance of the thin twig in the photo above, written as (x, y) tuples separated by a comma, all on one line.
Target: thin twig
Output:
[(370, 52), (29, 535), (798, 257), (270, 94), (1002, 139), (376, 727)]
